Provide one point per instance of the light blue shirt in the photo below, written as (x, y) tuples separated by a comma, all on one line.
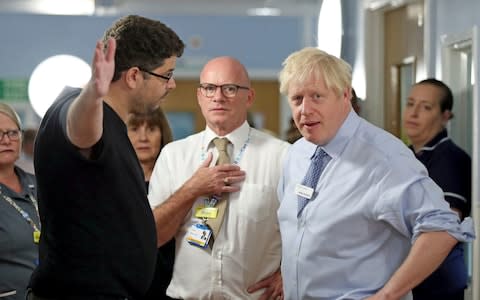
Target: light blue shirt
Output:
[(372, 201)]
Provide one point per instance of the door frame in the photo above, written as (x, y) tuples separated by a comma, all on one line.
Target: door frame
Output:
[(451, 58)]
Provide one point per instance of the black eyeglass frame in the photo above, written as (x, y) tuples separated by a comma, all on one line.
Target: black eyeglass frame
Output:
[(167, 78), (202, 87), (16, 132)]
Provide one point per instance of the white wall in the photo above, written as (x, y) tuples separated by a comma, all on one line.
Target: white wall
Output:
[(450, 17)]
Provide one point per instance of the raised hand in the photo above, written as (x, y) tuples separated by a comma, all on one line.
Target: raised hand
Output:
[(103, 67), (85, 115)]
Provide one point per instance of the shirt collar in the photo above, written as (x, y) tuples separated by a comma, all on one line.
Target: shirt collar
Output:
[(236, 137), (27, 187), (441, 137), (336, 146), (307, 148)]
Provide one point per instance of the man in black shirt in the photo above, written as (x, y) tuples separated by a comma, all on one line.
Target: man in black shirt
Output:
[(98, 234)]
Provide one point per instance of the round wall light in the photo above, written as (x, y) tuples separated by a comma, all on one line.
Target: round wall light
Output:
[(51, 76), (330, 27)]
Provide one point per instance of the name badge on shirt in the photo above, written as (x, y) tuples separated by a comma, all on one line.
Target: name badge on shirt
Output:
[(303, 191), (198, 235), (206, 212)]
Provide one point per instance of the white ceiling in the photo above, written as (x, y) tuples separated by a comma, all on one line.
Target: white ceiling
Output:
[(163, 7)]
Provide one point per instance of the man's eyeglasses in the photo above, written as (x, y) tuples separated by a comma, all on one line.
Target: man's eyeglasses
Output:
[(13, 135), (166, 77), (228, 90)]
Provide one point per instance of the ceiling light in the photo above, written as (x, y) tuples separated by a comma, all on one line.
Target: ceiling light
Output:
[(330, 27), (51, 76), (62, 7), (264, 11)]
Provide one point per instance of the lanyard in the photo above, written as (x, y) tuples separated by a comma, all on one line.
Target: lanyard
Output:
[(215, 198), (237, 159), (23, 213)]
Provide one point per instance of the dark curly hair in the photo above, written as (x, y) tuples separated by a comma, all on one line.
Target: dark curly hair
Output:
[(142, 42)]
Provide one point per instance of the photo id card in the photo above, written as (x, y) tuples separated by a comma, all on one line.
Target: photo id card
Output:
[(198, 235)]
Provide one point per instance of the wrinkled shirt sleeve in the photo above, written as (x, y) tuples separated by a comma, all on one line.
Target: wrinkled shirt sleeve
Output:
[(415, 204)]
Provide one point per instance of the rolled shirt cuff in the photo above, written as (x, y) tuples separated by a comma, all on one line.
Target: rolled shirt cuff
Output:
[(462, 231)]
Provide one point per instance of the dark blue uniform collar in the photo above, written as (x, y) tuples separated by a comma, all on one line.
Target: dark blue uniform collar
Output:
[(441, 137)]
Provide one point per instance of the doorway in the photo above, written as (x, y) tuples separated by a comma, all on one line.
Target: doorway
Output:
[(460, 58)]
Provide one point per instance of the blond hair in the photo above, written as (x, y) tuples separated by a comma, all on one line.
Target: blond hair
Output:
[(301, 64), (11, 113)]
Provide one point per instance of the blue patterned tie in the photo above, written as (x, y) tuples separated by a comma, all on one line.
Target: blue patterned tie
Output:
[(319, 161)]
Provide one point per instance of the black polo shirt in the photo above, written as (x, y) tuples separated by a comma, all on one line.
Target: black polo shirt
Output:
[(98, 231), (450, 167)]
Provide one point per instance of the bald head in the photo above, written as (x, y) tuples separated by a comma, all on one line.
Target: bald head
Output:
[(226, 66)]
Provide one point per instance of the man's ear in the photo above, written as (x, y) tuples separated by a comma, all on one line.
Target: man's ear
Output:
[(347, 94), (199, 94), (132, 77), (251, 97)]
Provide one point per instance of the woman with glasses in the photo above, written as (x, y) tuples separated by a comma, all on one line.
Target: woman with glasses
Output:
[(149, 132), (19, 221)]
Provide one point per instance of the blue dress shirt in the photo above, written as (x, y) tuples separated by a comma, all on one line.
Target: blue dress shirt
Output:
[(371, 202)]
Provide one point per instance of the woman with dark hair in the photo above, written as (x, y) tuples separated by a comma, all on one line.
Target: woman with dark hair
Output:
[(427, 112), (149, 132)]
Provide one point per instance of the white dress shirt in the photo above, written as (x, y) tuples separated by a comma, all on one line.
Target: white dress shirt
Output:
[(247, 248)]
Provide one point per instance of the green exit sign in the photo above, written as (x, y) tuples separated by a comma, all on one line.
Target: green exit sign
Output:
[(14, 89)]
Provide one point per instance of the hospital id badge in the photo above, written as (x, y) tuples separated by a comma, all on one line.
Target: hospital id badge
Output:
[(198, 235), (36, 236), (202, 212)]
